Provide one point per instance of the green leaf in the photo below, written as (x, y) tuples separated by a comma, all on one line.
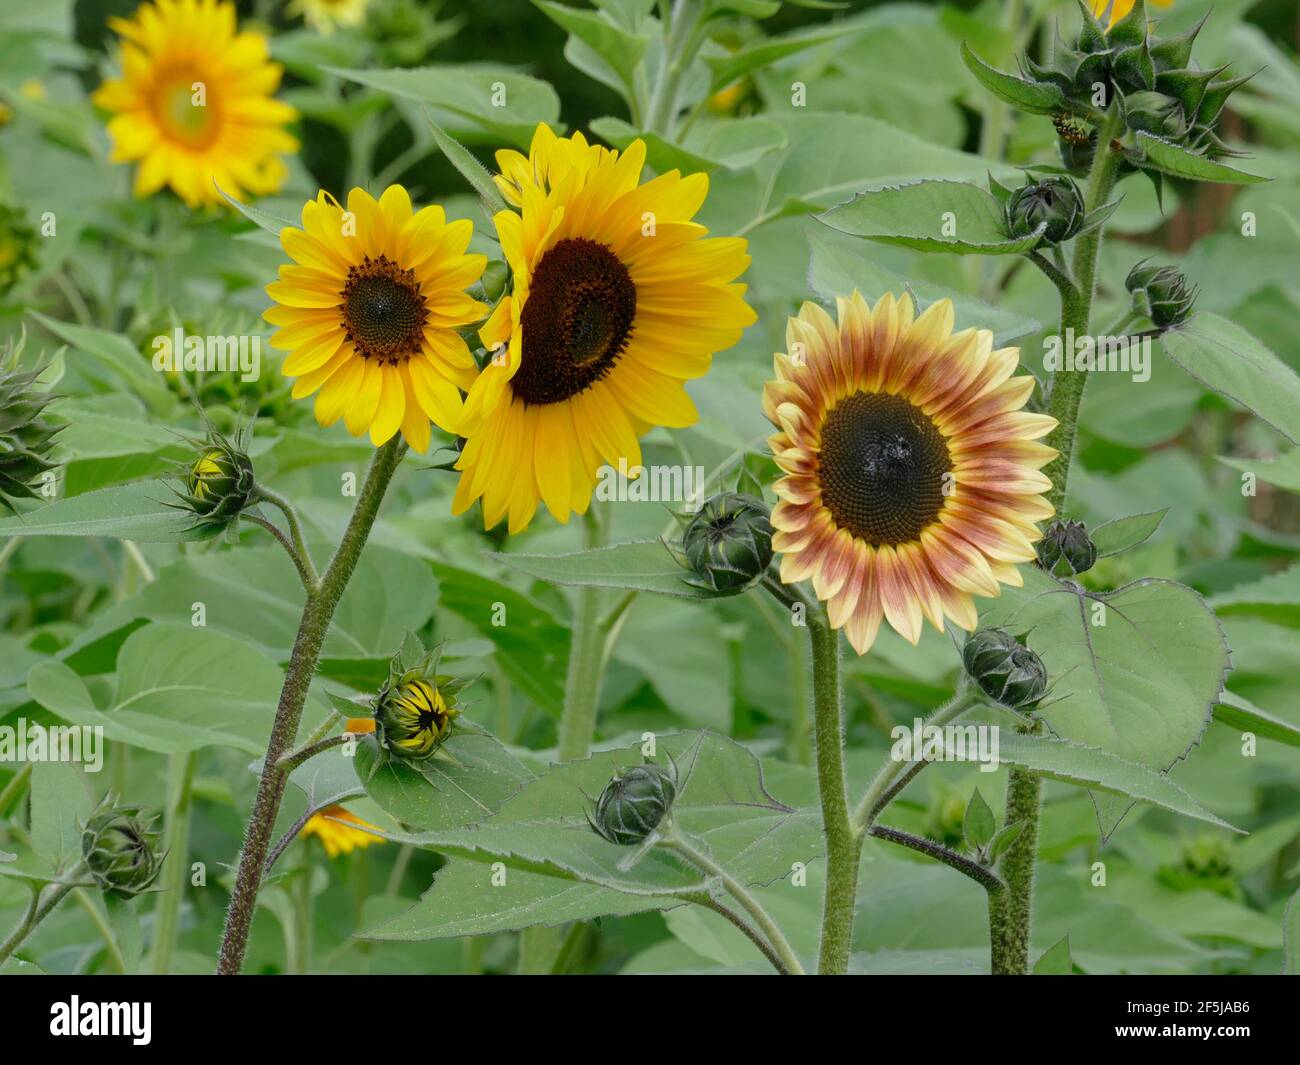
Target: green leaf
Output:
[(642, 566), (60, 807), (532, 646), (272, 223), (1122, 534), (1099, 770), (442, 794), (1228, 360), (1238, 713), (467, 166), (978, 825), (471, 92), (766, 50), (117, 355), (730, 145), (1004, 838), (1134, 672), (1275, 598), (543, 832), (179, 689), (1055, 961), (136, 511), (1283, 471), (618, 48), (1037, 98), (1155, 153), (840, 265), (942, 216)]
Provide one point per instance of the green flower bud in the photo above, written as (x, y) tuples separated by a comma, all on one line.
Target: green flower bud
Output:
[(17, 248), (26, 436), (728, 544), (1161, 293), (633, 803), (1066, 549), (1005, 670), (1055, 203), (120, 850), (218, 482), (1208, 857)]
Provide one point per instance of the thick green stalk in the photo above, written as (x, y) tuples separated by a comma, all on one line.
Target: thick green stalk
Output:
[(1076, 309), (843, 842), (680, 45), (180, 775), (1010, 910), (316, 617), (586, 661)]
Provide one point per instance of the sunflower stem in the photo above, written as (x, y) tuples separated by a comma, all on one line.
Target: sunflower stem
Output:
[(316, 616), (681, 41), (300, 553), (1011, 910), (1076, 308), (586, 652), (983, 876), (672, 839), (167, 914), (37, 911), (882, 787), (843, 840)]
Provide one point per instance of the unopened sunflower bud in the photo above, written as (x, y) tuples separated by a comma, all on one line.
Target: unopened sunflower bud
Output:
[(413, 718), (1066, 549), (17, 247), (219, 481), (1054, 203), (1005, 670), (1161, 293), (633, 803), (26, 436), (728, 544), (120, 850)]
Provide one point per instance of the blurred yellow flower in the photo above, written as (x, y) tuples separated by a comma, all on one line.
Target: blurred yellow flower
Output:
[(339, 838), (324, 15), (33, 89), (194, 103), (1119, 8)]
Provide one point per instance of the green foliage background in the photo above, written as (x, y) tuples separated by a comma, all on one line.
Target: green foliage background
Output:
[(92, 631)]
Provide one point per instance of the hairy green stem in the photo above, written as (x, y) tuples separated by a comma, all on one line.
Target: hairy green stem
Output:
[(680, 42), (1011, 911), (983, 876), (301, 555), (750, 932), (674, 840), (316, 617), (180, 777), (1076, 308), (586, 661)]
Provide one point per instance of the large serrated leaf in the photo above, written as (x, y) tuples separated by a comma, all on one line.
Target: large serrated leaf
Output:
[(1155, 153), (138, 511), (936, 216), (1037, 98), (1226, 358), (1135, 671)]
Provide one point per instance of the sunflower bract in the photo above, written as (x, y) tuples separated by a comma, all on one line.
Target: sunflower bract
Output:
[(633, 804)]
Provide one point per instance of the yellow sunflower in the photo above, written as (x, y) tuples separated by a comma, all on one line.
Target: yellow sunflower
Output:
[(911, 473), (340, 838), (194, 104), (618, 300), (1119, 8), (324, 15), (369, 311)]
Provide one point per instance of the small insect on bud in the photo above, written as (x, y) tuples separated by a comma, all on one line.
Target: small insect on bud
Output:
[(728, 544), (633, 803), (1054, 203), (120, 850), (1161, 293), (1066, 549), (416, 708), (1005, 670)]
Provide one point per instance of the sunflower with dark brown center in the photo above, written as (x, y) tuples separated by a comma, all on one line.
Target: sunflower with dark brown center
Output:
[(911, 472), (618, 300), (369, 311)]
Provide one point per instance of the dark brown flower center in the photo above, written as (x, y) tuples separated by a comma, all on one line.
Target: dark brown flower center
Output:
[(882, 468), (383, 310), (576, 321)]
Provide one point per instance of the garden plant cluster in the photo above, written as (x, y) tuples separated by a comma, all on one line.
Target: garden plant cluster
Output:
[(617, 486)]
